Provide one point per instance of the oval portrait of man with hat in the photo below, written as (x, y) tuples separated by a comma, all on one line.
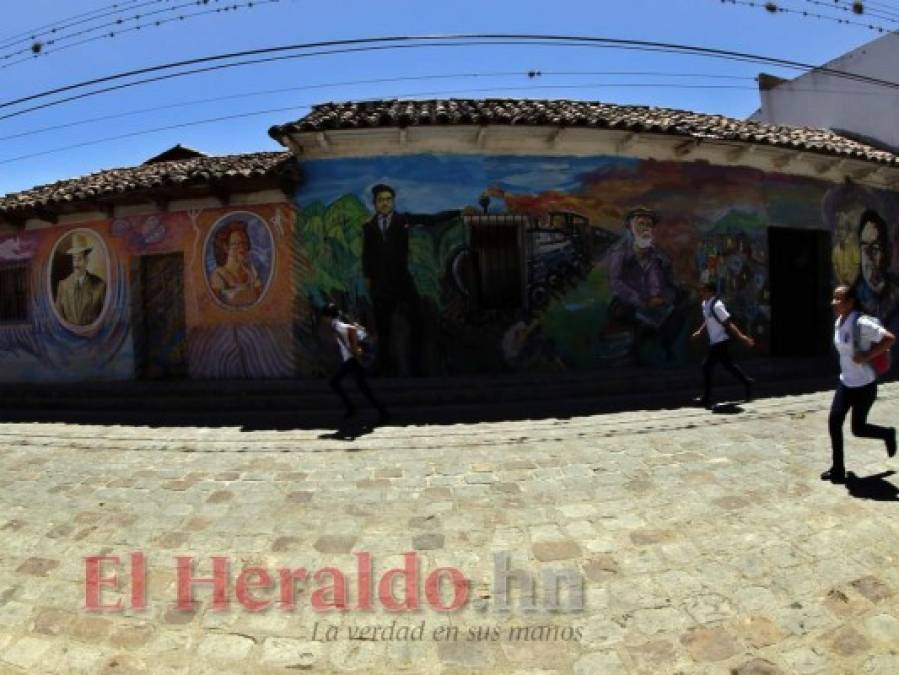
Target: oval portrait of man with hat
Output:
[(79, 269)]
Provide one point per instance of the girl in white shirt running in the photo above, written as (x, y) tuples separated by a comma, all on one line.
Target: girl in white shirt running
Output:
[(858, 381)]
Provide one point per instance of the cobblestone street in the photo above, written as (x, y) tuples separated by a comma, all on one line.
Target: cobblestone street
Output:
[(706, 544)]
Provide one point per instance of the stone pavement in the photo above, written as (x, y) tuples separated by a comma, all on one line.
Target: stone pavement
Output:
[(706, 544)]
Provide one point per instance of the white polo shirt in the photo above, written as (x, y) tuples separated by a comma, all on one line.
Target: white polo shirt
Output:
[(343, 332), (714, 324), (854, 374)]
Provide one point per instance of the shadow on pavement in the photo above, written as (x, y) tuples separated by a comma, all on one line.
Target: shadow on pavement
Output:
[(872, 487), (309, 405), (348, 431), (728, 409)]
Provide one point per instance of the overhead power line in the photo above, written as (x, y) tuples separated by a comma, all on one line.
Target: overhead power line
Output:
[(116, 28), (399, 96), (775, 8), (76, 19), (57, 35), (849, 8), (379, 80), (305, 106), (400, 42), (866, 7)]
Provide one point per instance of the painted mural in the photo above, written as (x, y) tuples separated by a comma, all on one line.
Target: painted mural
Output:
[(466, 264), (239, 259), (79, 267), (865, 250), (458, 264), (93, 297), (77, 325)]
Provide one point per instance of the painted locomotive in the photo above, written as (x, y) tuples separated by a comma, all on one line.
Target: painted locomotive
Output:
[(532, 259)]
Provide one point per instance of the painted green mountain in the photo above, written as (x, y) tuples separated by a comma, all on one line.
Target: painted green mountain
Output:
[(331, 238)]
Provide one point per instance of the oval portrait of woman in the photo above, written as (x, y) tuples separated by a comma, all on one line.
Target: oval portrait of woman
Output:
[(78, 276), (239, 258)]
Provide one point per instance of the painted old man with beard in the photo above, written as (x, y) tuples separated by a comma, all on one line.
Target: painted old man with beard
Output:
[(643, 291), (877, 287)]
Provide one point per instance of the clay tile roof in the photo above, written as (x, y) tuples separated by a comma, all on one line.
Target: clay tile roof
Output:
[(172, 177), (395, 113), (176, 152)]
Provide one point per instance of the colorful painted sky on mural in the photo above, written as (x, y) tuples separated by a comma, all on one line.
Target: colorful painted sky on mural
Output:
[(603, 288), (474, 71)]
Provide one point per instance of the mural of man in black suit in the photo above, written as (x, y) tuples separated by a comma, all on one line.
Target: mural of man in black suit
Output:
[(385, 266)]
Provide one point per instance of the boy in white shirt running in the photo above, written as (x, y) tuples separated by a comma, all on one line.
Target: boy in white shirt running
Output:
[(718, 324), (345, 335)]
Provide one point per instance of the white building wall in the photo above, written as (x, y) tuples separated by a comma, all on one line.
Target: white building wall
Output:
[(821, 100)]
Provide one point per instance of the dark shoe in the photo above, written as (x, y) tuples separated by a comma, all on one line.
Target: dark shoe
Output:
[(834, 476), (701, 401), (891, 443)]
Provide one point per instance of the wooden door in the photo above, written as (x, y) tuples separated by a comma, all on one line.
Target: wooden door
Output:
[(161, 338)]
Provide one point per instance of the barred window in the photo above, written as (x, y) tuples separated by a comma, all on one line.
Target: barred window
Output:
[(14, 294)]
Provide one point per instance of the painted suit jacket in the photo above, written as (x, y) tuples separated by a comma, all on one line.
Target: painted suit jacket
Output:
[(80, 305), (385, 257)]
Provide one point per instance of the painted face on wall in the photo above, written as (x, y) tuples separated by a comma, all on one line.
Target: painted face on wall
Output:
[(873, 256), (384, 203), (79, 263), (642, 227), (843, 229), (238, 246)]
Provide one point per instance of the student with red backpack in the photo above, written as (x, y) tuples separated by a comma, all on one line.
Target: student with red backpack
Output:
[(863, 346), (719, 325), (349, 343)]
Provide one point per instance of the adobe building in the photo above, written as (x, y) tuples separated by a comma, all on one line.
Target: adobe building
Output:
[(474, 236), (180, 267)]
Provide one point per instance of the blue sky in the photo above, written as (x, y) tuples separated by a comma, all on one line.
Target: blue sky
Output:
[(472, 71)]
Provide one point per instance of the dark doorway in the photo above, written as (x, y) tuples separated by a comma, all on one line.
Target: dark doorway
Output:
[(800, 284), (160, 336), (497, 252)]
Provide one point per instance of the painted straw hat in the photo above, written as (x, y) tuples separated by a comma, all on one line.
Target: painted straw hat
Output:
[(80, 244)]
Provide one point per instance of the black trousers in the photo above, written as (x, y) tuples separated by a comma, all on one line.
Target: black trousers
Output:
[(408, 303), (860, 400), (719, 353), (353, 367)]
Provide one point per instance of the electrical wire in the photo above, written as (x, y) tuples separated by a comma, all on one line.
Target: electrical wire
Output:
[(444, 76), (397, 96), (774, 8), (380, 80), (250, 4), (301, 106), (170, 127), (878, 14), (849, 6), (103, 27), (77, 19), (395, 42)]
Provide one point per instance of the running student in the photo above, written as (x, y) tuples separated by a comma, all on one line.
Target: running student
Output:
[(718, 324), (347, 342), (858, 339)]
